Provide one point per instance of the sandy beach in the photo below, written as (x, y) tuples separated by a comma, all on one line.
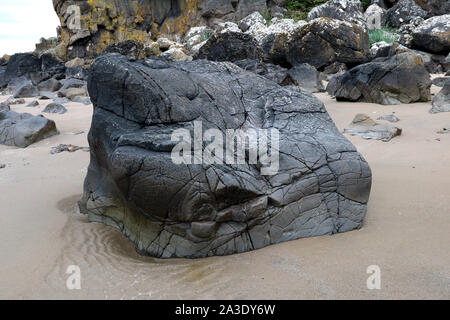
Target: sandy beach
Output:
[(406, 230)]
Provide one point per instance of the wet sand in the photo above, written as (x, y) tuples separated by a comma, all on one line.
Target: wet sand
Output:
[(406, 231)]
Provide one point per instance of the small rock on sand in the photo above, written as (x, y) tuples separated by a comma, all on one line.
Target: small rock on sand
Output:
[(367, 128), (389, 117)]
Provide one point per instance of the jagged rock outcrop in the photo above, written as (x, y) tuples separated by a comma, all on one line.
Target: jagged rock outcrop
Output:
[(23, 129), (26, 66), (169, 210), (345, 10), (401, 78), (403, 12), (433, 34), (323, 41), (89, 26)]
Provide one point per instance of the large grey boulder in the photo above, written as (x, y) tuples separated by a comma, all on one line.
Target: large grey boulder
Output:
[(274, 38), (345, 10), (324, 41), (230, 46), (433, 34), (403, 12), (441, 102), (27, 90), (169, 210), (23, 129), (401, 78)]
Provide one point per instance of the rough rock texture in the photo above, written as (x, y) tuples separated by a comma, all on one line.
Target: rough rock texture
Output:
[(270, 71), (324, 41), (401, 78), (403, 12), (274, 38), (26, 66), (307, 77), (230, 46), (55, 108), (23, 129), (440, 81), (441, 102), (105, 22), (434, 7), (362, 125), (345, 10), (433, 34), (27, 90), (180, 210)]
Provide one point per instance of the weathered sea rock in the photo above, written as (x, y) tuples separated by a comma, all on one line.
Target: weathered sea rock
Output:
[(433, 35), (403, 12), (27, 90), (362, 125), (345, 10), (180, 210), (274, 38), (306, 77), (102, 23), (401, 78), (324, 41), (55, 108), (270, 71), (23, 129), (230, 46), (441, 102)]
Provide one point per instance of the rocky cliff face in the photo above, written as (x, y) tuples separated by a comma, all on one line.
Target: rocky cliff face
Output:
[(89, 26)]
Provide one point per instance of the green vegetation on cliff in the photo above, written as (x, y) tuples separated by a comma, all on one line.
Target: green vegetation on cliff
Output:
[(298, 9)]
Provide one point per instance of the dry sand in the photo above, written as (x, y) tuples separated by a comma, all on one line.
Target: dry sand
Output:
[(406, 231)]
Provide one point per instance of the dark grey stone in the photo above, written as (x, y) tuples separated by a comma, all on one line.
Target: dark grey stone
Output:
[(168, 210), (401, 78), (23, 129), (55, 108)]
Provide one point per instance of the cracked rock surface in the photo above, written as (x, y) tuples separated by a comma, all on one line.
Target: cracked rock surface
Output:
[(401, 78), (23, 129), (180, 210)]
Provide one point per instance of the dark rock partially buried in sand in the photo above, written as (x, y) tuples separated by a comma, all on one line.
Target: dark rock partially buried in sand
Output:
[(55, 108), (441, 102), (23, 129), (401, 78), (362, 125), (166, 210)]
